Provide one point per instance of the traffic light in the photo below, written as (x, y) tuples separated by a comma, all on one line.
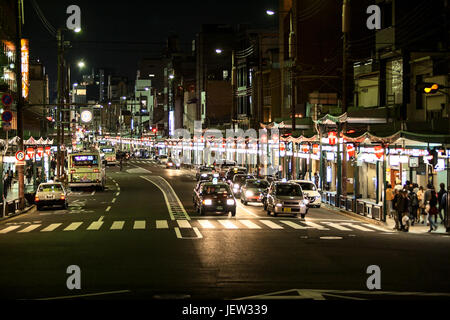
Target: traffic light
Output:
[(427, 87)]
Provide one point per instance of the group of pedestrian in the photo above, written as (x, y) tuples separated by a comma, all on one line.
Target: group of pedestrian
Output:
[(410, 204)]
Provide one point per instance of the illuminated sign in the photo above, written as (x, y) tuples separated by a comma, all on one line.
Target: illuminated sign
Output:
[(25, 68), (86, 116)]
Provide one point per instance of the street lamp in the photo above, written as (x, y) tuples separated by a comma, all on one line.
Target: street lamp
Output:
[(270, 12), (219, 51), (81, 64)]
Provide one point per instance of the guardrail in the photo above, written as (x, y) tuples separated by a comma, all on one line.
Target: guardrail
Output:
[(363, 207)]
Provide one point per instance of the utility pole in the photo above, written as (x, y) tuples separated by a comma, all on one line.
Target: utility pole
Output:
[(345, 31), (20, 102), (60, 98)]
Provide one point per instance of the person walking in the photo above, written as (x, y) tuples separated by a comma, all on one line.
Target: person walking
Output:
[(420, 196), (402, 209), (432, 211), (5, 185), (414, 201), (395, 204), (440, 207), (427, 198), (444, 205), (389, 199)]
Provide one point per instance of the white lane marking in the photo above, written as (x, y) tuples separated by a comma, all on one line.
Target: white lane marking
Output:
[(271, 224), (161, 224), (314, 225), (117, 194), (228, 224), (117, 225), (375, 227), (107, 209), (93, 192), (178, 233), (101, 218), (6, 230), (139, 225), (184, 224), (73, 226), (358, 227), (198, 233), (30, 228), (95, 225), (51, 227), (249, 224), (292, 224), (206, 224), (337, 226), (248, 211), (113, 200), (331, 238), (118, 189)]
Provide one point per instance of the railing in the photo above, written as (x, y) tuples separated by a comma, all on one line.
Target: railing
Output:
[(363, 207)]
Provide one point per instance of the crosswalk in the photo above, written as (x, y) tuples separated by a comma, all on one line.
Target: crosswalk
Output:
[(200, 224), (141, 161)]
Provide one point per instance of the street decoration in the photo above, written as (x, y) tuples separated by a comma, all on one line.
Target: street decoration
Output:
[(351, 150), (379, 151), (30, 153), (40, 151), (332, 138), (316, 148)]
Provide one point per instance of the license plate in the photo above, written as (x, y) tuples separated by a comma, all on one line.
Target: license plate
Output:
[(50, 197), (219, 208), (287, 209)]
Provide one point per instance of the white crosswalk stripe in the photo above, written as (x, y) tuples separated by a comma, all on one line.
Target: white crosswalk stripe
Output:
[(314, 225), (271, 224), (184, 224), (9, 229), (73, 226), (293, 225), (30, 228), (139, 225), (249, 224), (337, 226), (161, 224), (375, 227), (96, 225), (356, 226), (228, 224), (206, 224), (117, 225), (51, 227)]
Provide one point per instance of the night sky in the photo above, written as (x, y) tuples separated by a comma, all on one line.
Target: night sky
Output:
[(109, 27)]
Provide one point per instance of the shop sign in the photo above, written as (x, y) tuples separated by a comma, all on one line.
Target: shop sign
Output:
[(305, 148), (316, 148), (379, 151), (332, 138), (413, 162)]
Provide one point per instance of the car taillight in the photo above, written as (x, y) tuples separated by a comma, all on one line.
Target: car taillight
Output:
[(36, 199), (72, 171), (96, 170), (63, 197)]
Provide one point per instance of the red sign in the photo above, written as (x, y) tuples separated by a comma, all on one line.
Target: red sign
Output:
[(332, 137), (305, 148), (40, 151), (282, 147), (351, 150), (30, 153), (379, 151), (48, 150), (20, 156)]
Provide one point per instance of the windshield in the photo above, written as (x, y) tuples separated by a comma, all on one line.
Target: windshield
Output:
[(292, 190), (50, 188), (258, 184), (308, 186), (217, 189), (84, 161)]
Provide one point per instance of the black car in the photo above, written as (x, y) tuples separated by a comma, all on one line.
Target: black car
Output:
[(233, 171), (215, 197), (203, 171), (239, 181)]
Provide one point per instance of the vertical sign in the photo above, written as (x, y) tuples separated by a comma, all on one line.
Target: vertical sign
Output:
[(25, 68)]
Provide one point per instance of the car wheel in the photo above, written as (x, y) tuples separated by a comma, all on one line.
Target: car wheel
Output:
[(233, 213), (303, 215)]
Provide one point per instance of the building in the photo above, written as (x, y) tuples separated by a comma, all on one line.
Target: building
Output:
[(39, 96)]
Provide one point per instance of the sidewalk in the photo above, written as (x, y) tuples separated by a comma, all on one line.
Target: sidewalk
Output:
[(418, 227), (13, 193), (12, 201)]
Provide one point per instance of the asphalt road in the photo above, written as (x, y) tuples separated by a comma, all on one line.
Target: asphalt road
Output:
[(142, 239)]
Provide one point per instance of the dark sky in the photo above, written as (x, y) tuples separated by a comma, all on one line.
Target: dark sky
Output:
[(132, 20)]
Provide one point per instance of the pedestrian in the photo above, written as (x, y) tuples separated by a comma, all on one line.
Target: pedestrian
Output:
[(427, 198), (432, 211), (440, 208), (421, 209), (316, 179), (389, 199), (395, 206), (444, 205), (5, 185), (414, 201), (402, 210)]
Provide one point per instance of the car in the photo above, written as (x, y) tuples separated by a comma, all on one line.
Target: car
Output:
[(51, 194), (162, 159), (197, 189), (310, 192), (203, 171), (223, 166), (234, 170), (254, 190), (286, 198), (171, 164), (215, 197), (239, 181)]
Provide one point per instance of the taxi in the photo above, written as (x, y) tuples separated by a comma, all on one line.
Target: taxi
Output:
[(215, 197), (253, 190), (51, 194), (233, 171)]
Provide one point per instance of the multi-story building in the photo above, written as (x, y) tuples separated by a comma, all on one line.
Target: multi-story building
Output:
[(38, 96)]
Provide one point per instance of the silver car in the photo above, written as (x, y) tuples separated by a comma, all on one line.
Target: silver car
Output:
[(51, 194), (285, 198)]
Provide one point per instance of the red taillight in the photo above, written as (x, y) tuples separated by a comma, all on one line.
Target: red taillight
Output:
[(63, 197), (96, 170), (72, 171), (36, 199)]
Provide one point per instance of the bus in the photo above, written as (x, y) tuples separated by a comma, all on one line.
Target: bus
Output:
[(108, 153), (86, 170)]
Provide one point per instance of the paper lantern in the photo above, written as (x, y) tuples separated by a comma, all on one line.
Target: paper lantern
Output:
[(30, 153), (332, 138), (316, 148), (351, 150), (305, 148), (379, 151)]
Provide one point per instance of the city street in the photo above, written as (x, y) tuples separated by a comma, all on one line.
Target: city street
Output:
[(141, 238)]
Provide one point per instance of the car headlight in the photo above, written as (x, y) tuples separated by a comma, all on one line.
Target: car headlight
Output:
[(279, 204), (249, 193), (207, 202), (216, 175), (204, 175), (305, 201), (230, 202)]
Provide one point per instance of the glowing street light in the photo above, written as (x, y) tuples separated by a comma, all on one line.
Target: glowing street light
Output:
[(270, 12), (77, 30), (81, 64), (219, 51)]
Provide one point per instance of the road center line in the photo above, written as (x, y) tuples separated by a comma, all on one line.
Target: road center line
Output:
[(113, 200), (109, 208)]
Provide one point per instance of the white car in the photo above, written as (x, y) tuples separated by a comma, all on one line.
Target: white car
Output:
[(51, 194), (310, 192)]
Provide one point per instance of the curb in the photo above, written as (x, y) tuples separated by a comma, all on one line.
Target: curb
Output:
[(14, 215)]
